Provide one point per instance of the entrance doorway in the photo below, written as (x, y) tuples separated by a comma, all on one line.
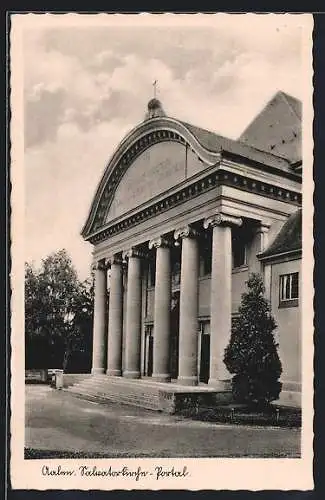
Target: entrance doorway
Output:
[(148, 351), (205, 352)]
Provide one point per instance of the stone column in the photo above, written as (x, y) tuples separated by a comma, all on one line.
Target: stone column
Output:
[(99, 329), (115, 318), (133, 315), (188, 316), (262, 232), (262, 240), (220, 305), (161, 369), (259, 245)]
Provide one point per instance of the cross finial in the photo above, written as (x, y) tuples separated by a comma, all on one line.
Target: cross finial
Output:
[(155, 88)]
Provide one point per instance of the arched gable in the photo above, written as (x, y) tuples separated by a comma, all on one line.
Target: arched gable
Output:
[(143, 153)]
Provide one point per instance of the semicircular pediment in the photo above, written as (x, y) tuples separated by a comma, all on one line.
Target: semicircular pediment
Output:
[(155, 171), (157, 159)]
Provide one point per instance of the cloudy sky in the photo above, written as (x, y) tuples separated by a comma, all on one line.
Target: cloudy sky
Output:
[(86, 86)]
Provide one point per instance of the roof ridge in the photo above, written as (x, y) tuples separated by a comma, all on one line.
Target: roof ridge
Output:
[(285, 96), (205, 129)]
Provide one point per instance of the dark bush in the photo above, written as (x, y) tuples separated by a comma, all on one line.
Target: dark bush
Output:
[(252, 355)]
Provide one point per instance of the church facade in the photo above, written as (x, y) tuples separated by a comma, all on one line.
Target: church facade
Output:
[(179, 220)]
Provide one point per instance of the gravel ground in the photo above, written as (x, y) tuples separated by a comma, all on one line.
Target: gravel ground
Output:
[(61, 425)]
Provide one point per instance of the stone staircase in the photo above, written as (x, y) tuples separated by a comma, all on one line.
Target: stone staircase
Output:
[(104, 388), (146, 393)]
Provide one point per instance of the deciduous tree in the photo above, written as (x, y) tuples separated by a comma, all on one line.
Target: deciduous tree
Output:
[(58, 312)]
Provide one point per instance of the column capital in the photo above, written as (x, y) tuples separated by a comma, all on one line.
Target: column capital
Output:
[(114, 259), (185, 232), (133, 252), (100, 265), (221, 218), (159, 242), (262, 228)]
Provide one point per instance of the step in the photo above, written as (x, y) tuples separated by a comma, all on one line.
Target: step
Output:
[(134, 401), (105, 388), (149, 384), (103, 399), (119, 390), (127, 381), (109, 391), (113, 397), (141, 393), (122, 389)]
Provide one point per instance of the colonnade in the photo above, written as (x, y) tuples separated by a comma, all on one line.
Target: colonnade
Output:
[(220, 309)]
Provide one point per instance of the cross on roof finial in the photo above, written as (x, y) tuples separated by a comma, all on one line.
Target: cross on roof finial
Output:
[(155, 88)]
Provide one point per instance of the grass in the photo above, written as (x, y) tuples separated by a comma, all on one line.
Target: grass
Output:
[(37, 454), (34, 453), (274, 415)]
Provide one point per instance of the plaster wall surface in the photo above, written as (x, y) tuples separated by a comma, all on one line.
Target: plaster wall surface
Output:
[(289, 323)]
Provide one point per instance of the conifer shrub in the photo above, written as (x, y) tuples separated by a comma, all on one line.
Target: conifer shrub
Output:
[(252, 353)]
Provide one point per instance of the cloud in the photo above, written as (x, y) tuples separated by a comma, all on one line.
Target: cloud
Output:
[(43, 112), (100, 74), (61, 179), (84, 89)]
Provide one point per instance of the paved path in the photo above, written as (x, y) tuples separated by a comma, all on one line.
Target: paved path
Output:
[(58, 421)]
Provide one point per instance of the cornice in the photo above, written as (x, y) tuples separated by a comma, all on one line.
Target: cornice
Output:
[(264, 173), (280, 257), (262, 167), (188, 192)]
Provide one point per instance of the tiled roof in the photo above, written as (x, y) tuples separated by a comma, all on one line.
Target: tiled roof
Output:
[(294, 103), (217, 143), (289, 237), (277, 128)]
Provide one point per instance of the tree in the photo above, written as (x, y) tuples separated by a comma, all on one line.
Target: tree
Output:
[(252, 351), (58, 312), (78, 346), (36, 343)]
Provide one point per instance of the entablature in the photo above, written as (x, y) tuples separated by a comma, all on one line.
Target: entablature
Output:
[(192, 189)]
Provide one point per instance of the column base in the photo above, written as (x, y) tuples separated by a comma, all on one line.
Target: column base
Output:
[(161, 377), (187, 380), (97, 371), (114, 373), (131, 374), (220, 385)]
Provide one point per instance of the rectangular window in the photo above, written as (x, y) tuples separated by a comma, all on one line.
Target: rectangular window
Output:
[(151, 273), (238, 253), (289, 287), (176, 274), (205, 264), (205, 249)]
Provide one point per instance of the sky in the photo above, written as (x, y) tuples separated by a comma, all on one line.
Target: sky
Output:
[(85, 87)]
